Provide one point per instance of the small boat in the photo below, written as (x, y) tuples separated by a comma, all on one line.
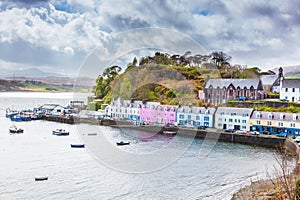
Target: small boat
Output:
[(77, 145), (41, 178), (92, 134), (169, 132), (122, 143), (10, 113), (60, 132), (14, 129), (16, 118)]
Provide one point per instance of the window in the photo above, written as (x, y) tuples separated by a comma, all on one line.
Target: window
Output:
[(219, 119), (286, 89), (293, 89), (189, 117), (269, 123), (197, 117), (280, 123), (257, 122), (206, 118), (235, 120), (244, 127), (171, 115), (292, 124), (181, 116), (230, 120), (244, 121)]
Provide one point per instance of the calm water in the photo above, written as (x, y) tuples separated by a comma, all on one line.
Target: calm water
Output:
[(75, 174)]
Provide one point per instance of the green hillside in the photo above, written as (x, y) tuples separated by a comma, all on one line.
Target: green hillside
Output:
[(168, 79)]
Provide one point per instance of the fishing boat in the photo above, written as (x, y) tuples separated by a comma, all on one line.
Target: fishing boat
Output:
[(41, 178), (77, 145), (169, 132), (16, 118), (121, 143), (14, 129), (60, 132), (10, 113)]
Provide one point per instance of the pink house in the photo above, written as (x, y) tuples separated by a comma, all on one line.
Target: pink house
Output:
[(154, 113)]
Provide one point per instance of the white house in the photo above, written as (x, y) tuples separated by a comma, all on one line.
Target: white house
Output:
[(53, 109), (124, 109), (233, 118), (290, 89), (195, 116)]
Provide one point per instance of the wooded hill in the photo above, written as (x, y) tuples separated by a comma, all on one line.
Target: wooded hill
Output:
[(169, 79)]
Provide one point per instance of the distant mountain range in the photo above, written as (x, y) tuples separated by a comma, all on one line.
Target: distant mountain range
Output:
[(31, 72)]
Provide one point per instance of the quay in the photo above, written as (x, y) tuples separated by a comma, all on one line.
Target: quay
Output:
[(269, 141)]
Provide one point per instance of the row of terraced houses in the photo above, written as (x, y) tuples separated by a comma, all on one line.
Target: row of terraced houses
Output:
[(245, 119)]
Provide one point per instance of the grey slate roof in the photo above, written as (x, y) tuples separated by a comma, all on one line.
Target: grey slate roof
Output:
[(291, 83), (268, 79), (233, 110), (236, 82), (201, 110), (276, 116)]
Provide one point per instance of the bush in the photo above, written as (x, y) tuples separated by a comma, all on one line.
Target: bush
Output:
[(297, 190)]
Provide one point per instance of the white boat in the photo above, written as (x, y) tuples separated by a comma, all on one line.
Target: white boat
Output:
[(14, 129), (169, 132), (60, 132)]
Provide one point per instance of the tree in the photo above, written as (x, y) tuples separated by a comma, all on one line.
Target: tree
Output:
[(103, 81), (220, 58)]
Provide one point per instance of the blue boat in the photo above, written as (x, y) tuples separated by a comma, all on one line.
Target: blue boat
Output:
[(26, 118), (16, 118)]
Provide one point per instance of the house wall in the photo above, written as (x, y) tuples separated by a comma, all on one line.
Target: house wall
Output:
[(290, 94)]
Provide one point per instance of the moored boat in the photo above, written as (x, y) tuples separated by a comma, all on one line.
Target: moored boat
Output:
[(77, 145), (41, 178), (169, 132), (14, 129), (122, 143), (60, 132), (16, 118)]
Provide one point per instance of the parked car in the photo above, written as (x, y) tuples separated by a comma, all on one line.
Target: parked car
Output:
[(201, 127), (266, 133), (240, 132), (255, 133), (297, 139), (284, 100), (229, 131), (282, 134), (241, 98)]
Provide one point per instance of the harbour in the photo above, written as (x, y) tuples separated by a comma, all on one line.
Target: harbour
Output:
[(79, 175)]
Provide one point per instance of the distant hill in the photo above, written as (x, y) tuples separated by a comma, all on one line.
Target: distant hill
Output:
[(31, 72), (290, 71)]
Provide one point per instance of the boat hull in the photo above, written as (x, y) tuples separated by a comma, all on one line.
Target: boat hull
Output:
[(77, 145)]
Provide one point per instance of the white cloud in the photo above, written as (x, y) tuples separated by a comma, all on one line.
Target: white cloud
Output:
[(252, 32)]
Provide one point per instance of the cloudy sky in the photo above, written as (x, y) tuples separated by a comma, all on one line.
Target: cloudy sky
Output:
[(57, 35)]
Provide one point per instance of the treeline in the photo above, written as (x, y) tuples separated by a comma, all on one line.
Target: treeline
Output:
[(165, 78)]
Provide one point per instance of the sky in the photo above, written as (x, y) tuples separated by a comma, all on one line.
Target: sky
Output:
[(59, 35)]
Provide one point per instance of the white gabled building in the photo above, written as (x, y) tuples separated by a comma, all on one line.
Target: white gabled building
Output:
[(195, 116), (290, 89), (233, 118)]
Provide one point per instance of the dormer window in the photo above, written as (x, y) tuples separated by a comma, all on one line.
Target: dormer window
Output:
[(258, 115), (295, 117), (270, 116), (282, 116)]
